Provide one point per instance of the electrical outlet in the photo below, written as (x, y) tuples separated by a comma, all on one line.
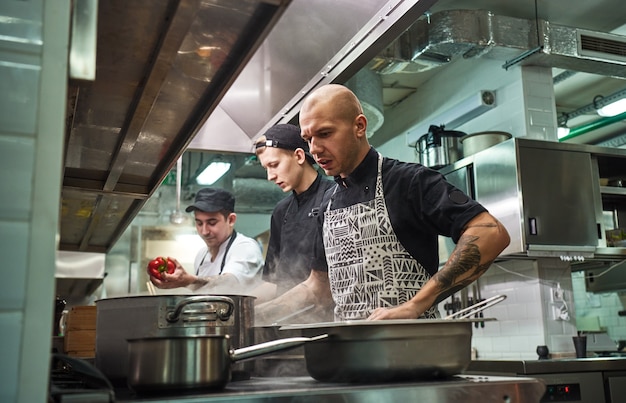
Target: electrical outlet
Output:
[(557, 294)]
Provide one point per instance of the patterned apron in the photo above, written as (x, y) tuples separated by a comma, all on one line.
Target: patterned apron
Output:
[(368, 267)]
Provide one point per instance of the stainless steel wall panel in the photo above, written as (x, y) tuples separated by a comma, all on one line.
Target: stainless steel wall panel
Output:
[(162, 67)]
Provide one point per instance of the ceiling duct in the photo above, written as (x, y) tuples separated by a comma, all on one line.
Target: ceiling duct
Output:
[(471, 33)]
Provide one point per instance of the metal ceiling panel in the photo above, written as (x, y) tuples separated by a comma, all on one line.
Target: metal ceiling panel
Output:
[(162, 66)]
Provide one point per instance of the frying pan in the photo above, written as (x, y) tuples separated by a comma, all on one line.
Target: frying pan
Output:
[(161, 364), (377, 351)]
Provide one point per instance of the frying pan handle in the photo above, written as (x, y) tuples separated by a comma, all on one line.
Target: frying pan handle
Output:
[(256, 350), (479, 307), (222, 314)]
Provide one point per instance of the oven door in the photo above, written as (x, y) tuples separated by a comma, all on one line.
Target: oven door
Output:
[(616, 386)]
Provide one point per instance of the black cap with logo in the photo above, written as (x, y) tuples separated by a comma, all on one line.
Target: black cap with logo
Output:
[(287, 137)]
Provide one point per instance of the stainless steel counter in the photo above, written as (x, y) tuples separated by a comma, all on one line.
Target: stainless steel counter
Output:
[(550, 366), (574, 380), (305, 389)]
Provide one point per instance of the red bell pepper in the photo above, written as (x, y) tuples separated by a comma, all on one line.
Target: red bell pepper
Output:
[(159, 265)]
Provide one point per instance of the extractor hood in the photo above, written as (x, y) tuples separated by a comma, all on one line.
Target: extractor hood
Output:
[(316, 42), (162, 67)]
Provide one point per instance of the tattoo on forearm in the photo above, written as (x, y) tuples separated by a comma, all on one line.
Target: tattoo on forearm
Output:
[(464, 262)]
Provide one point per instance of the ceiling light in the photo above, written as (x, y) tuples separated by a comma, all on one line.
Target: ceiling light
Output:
[(613, 109), (212, 173)]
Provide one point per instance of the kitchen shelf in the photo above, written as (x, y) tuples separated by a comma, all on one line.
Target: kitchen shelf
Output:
[(613, 190)]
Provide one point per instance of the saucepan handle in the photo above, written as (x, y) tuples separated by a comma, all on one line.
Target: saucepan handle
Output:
[(479, 307), (256, 350), (222, 314)]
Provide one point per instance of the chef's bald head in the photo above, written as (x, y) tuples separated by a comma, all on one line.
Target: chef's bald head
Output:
[(346, 105)]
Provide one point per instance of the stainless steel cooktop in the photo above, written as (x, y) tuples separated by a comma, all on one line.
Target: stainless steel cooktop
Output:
[(299, 389)]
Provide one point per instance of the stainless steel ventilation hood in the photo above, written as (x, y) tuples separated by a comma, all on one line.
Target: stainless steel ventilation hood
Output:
[(316, 42), (162, 67)]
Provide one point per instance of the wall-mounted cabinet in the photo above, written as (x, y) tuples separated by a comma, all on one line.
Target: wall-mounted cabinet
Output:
[(549, 196)]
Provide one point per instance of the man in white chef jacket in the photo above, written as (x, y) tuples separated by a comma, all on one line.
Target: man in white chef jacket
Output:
[(229, 262)]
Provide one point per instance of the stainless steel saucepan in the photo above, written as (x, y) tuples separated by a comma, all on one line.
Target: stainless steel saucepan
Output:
[(383, 350), (169, 315), (161, 364)]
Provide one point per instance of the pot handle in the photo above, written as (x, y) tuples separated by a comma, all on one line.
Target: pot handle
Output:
[(222, 314), (256, 350), (479, 307)]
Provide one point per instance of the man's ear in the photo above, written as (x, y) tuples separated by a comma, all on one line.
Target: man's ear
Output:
[(232, 217), (360, 124), (300, 155)]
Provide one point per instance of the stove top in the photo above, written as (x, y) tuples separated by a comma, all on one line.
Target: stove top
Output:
[(470, 389)]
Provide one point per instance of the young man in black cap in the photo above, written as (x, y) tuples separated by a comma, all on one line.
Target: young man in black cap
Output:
[(230, 262), (285, 156)]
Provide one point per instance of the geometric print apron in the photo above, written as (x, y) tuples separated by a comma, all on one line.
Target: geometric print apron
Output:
[(368, 267)]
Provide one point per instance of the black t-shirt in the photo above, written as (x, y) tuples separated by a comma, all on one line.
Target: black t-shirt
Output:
[(421, 205), (289, 255)]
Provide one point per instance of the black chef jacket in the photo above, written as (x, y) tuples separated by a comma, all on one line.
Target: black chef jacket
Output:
[(420, 204), (293, 231)]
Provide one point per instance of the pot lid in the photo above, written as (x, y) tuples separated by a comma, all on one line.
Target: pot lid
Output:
[(434, 136)]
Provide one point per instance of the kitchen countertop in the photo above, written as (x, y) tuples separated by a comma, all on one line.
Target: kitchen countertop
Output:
[(465, 388), (561, 365)]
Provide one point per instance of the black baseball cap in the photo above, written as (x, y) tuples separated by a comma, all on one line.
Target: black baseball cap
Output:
[(287, 137), (211, 200)]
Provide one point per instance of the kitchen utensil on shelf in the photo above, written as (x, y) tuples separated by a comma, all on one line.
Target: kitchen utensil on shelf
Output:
[(476, 308), (475, 142), (439, 147), (178, 217)]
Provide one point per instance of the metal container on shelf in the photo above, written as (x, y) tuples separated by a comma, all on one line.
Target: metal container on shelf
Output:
[(475, 142), (439, 147)]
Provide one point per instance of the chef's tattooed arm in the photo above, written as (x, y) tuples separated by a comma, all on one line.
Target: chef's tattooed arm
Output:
[(464, 265), (483, 239)]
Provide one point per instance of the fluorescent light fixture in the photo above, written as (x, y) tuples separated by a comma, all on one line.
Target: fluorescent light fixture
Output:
[(457, 115), (212, 173), (562, 131), (613, 109)]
